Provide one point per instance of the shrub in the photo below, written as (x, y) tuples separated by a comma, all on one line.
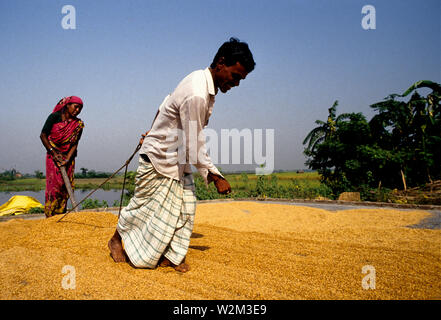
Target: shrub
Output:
[(94, 203), (35, 210)]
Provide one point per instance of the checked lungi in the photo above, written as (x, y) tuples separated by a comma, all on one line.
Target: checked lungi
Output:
[(158, 219)]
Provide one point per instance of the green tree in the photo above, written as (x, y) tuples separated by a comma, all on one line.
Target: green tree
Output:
[(332, 148), (411, 132), (402, 139), (324, 130), (8, 175), (39, 174), (84, 172)]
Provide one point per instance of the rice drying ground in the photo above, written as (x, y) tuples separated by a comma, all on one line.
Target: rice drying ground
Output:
[(239, 250)]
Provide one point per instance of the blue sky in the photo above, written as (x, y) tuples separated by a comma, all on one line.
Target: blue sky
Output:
[(125, 56)]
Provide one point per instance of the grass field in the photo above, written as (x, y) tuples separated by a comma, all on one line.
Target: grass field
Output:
[(289, 185), (25, 184), (312, 175), (237, 181), (283, 178), (34, 184)]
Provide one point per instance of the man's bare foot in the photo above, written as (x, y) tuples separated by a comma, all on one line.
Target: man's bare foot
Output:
[(116, 249), (182, 267), (164, 262)]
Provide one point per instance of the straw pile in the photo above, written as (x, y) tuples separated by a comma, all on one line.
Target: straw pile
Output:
[(239, 250), (427, 194)]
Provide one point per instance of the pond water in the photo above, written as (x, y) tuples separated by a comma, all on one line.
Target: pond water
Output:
[(102, 195)]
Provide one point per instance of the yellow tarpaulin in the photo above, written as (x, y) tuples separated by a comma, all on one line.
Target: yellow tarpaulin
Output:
[(19, 205)]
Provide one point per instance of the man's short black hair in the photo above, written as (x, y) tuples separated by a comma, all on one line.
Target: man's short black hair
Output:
[(235, 51)]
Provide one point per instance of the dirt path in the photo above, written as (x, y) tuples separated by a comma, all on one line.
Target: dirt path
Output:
[(239, 250)]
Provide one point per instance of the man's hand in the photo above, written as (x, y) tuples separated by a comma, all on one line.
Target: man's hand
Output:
[(222, 185)]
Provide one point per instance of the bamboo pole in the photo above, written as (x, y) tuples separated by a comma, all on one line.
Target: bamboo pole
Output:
[(69, 188), (404, 180)]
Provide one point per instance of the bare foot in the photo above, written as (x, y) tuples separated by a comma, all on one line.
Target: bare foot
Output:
[(116, 249), (164, 262), (182, 267)]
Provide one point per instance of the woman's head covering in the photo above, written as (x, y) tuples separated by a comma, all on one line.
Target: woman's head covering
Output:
[(65, 101)]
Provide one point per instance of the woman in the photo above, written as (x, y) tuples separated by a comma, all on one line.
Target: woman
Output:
[(60, 135)]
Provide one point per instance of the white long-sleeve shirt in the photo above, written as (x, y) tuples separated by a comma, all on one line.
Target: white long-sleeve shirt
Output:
[(176, 139)]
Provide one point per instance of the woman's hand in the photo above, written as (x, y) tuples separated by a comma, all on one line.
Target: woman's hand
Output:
[(59, 159)]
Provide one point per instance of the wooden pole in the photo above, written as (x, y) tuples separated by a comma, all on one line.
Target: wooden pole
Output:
[(69, 188), (125, 165), (404, 180)]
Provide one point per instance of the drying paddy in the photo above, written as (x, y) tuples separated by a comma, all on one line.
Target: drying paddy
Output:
[(239, 250)]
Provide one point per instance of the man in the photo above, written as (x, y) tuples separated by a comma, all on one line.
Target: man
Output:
[(156, 225)]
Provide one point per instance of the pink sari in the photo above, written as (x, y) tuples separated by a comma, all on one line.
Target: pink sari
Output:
[(63, 136)]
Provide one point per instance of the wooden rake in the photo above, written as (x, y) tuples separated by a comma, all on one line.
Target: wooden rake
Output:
[(70, 191)]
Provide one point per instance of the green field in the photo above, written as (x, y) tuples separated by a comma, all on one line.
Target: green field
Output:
[(283, 178), (280, 185), (34, 184), (288, 185), (25, 184), (243, 185)]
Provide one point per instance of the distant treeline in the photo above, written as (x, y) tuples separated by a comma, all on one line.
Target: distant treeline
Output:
[(86, 173), (13, 174), (8, 175)]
